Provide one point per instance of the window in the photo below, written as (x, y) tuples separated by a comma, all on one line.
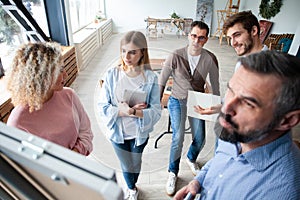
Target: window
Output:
[(83, 12), (12, 35)]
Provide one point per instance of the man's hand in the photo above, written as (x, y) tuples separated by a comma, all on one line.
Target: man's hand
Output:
[(193, 187), (208, 111)]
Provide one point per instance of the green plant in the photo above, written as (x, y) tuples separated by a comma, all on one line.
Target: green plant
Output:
[(174, 15), (267, 10)]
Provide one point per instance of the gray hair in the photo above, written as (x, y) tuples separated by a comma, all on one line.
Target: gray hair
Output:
[(287, 68)]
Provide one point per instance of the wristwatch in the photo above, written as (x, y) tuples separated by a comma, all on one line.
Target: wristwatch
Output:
[(134, 111)]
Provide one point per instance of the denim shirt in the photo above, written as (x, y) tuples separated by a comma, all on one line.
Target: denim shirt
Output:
[(108, 105), (268, 172)]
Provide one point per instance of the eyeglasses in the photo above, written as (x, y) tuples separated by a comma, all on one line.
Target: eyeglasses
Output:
[(201, 38)]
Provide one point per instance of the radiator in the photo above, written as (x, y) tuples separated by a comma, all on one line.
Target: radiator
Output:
[(88, 40)]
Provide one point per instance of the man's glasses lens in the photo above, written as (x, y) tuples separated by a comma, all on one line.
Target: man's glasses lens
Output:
[(201, 38)]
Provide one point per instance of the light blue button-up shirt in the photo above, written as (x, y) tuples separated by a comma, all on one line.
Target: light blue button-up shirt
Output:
[(269, 172), (109, 110)]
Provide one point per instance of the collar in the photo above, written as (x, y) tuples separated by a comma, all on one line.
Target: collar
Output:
[(262, 157), (265, 48)]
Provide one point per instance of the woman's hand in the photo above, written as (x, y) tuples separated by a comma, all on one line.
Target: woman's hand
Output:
[(140, 106), (137, 109), (124, 109)]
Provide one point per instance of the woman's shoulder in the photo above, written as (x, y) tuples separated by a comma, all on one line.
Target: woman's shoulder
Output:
[(16, 115), (66, 92), (150, 72), (151, 75), (114, 69)]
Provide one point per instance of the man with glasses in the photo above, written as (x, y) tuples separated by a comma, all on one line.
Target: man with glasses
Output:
[(189, 66)]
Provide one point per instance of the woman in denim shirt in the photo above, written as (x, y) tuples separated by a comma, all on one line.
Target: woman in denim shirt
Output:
[(129, 125)]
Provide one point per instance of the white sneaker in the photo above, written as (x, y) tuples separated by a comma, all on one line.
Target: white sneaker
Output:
[(171, 184), (193, 166), (133, 194)]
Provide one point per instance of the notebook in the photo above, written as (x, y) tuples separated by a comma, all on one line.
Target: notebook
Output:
[(133, 97)]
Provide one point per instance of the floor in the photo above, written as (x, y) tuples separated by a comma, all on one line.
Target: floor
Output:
[(154, 173)]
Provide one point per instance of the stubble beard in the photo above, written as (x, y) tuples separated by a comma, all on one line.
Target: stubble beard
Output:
[(234, 136), (248, 46)]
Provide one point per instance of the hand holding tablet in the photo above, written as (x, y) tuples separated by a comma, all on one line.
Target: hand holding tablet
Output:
[(133, 97)]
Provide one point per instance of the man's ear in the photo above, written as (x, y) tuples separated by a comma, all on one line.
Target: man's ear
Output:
[(290, 120), (254, 31)]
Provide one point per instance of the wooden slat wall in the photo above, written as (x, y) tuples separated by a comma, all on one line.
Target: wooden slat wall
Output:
[(70, 64), (5, 110)]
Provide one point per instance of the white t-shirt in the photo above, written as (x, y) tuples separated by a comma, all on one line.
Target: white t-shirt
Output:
[(130, 83), (238, 64), (193, 61)]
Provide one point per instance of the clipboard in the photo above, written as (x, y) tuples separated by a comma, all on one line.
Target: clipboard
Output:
[(133, 97)]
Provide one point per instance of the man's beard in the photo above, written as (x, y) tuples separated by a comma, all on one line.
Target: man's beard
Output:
[(234, 136), (248, 46)]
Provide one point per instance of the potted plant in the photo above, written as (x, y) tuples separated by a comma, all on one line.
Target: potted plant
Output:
[(174, 15), (267, 10)]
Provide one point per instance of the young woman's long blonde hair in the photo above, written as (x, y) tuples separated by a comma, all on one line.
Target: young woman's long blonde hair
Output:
[(138, 39), (35, 68)]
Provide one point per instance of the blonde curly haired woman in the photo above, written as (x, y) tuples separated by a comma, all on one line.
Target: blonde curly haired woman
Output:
[(43, 106)]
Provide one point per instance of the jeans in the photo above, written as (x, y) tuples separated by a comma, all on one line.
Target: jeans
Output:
[(178, 114), (130, 157)]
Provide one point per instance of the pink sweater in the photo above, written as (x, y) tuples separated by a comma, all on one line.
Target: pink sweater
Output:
[(61, 120)]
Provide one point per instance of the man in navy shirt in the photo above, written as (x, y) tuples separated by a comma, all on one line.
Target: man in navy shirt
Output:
[(256, 157)]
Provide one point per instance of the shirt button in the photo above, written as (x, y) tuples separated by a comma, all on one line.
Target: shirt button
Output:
[(220, 175)]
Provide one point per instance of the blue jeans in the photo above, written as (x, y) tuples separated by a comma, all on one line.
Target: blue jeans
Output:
[(130, 157), (177, 111)]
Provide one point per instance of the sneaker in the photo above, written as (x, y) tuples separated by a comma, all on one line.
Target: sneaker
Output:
[(171, 184), (126, 194), (133, 194), (193, 166)]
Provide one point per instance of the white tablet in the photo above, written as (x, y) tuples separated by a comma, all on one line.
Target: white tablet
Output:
[(133, 97)]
